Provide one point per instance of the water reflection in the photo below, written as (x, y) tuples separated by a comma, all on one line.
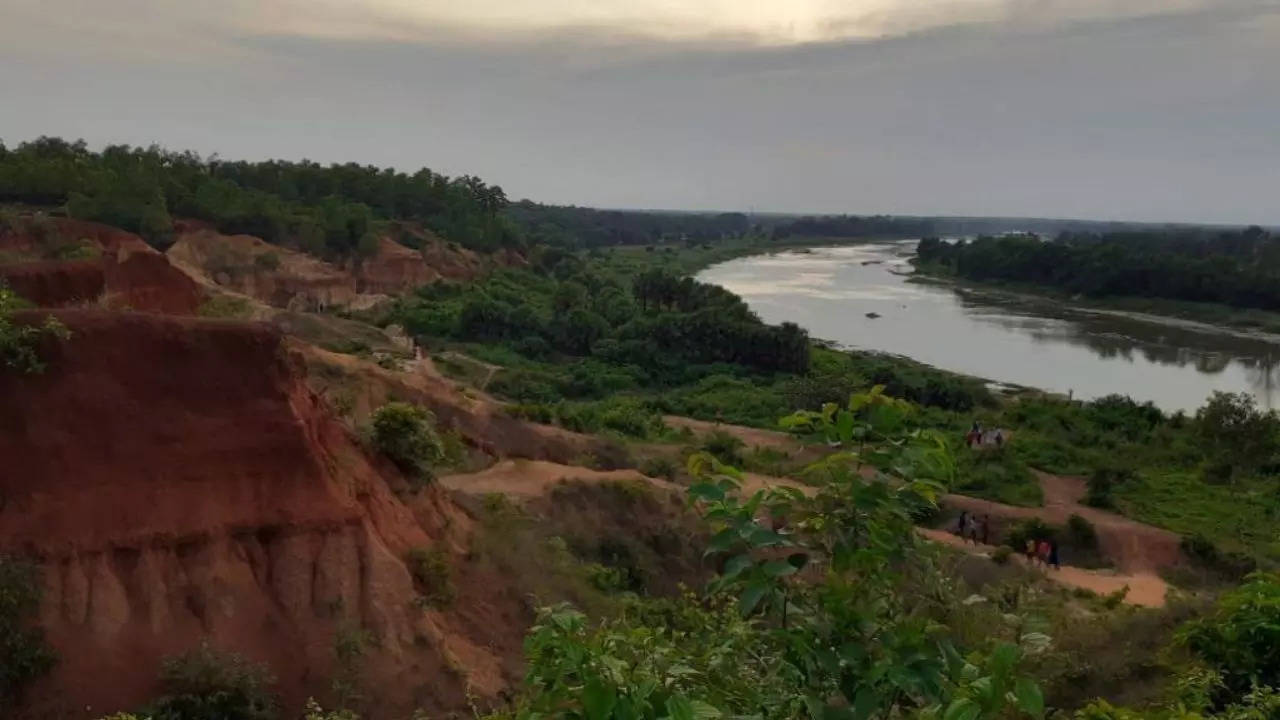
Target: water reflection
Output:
[(1008, 338)]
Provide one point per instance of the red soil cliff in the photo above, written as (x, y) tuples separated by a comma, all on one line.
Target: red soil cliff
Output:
[(128, 273), (176, 480)]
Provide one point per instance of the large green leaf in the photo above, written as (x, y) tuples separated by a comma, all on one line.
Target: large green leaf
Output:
[(598, 699), (962, 709), (751, 597), (1030, 698), (679, 708)]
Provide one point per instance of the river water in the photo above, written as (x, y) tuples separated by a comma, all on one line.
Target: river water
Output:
[(1002, 337)]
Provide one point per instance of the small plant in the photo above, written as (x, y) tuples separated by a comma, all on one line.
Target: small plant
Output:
[(350, 645), (660, 467), (406, 434), (433, 576), (1001, 555), (725, 447), (1103, 482)]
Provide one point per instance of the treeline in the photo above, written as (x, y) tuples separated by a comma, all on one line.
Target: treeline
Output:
[(329, 210), (602, 332), (1237, 268), (854, 226), (581, 227)]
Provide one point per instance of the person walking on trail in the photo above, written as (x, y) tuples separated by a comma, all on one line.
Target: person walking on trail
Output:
[(1053, 555), (986, 529), (961, 523), (1042, 553), (999, 438), (1031, 551)]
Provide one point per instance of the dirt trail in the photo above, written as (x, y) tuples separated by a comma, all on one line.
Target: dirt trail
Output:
[(1145, 589), (1134, 547), (1061, 494), (534, 478), (749, 435)]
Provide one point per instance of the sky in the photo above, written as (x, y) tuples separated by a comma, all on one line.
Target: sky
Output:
[(1156, 110)]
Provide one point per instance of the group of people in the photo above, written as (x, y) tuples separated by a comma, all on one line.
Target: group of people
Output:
[(1043, 552), (977, 437), (973, 530)]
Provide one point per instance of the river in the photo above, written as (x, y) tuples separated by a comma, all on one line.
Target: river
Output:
[(1002, 337)]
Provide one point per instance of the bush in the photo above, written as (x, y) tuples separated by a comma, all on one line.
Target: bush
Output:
[(1081, 532), (1001, 555), (1241, 638), (208, 684), (726, 447), (660, 467), (1029, 529), (1102, 482), (1230, 566), (24, 654), (433, 576), (19, 344), (406, 434)]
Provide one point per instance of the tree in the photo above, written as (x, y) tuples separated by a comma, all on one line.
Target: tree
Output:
[(407, 435), (1235, 434), (1241, 638)]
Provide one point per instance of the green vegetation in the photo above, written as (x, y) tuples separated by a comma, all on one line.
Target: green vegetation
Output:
[(432, 575), (1236, 268), (325, 210), (207, 684), (24, 654), (1240, 640), (20, 342), (407, 435)]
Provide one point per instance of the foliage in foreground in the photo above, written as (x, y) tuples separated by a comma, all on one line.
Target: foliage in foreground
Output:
[(817, 611)]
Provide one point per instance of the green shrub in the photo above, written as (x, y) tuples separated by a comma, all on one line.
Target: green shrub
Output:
[(208, 684), (1001, 555), (24, 654), (1229, 566), (225, 306), (1103, 482), (406, 434), (660, 467), (432, 575), (726, 447), (1029, 529), (1081, 532), (1241, 638), (20, 343)]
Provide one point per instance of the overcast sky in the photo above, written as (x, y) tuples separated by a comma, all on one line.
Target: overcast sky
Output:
[(1123, 109)]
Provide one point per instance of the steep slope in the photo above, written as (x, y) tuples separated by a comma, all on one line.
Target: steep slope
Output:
[(176, 480), (123, 272)]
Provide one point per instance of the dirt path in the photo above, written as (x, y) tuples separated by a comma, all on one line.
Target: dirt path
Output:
[(1145, 589), (751, 436), (534, 478), (1131, 545)]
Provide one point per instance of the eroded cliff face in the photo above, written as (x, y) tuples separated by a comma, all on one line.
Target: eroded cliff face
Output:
[(176, 481), (125, 272)]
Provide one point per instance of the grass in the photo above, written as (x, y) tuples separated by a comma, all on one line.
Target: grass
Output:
[(997, 475), (1238, 518)]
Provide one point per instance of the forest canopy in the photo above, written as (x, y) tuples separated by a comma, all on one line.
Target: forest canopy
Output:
[(324, 209)]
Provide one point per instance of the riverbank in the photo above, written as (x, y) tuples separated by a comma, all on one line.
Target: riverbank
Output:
[(1246, 322)]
